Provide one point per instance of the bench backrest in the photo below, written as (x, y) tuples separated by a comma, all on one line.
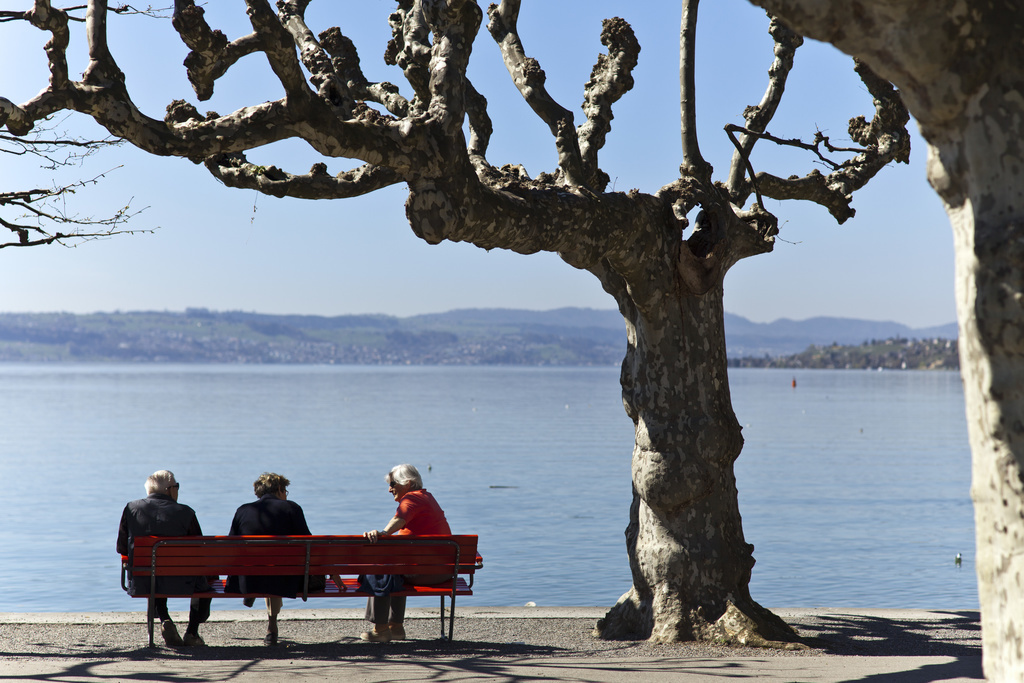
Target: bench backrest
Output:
[(299, 555)]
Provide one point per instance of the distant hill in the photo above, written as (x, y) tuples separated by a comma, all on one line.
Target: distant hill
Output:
[(566, 336), (784, 336), (897, 353)]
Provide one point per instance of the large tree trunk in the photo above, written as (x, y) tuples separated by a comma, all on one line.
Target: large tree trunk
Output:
[(691, 565), (961, 69), (988, 224)]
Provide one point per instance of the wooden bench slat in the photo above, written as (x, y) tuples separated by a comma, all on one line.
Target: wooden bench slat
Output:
[(349, 588), (320, 552), (210, 569)]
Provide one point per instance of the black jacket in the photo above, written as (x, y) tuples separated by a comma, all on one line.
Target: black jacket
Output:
[(269, 516), (158, 515)]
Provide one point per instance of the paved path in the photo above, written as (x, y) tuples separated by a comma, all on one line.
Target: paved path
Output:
[(500, 644)]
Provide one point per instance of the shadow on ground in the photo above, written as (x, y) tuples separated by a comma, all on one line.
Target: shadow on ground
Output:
[(549, 649), (957, 635)]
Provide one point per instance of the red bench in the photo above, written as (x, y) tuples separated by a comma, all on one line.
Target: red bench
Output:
[(346, 556)]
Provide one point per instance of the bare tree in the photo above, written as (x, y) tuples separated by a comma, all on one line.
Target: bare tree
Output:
[(961, 69), (690, 563)]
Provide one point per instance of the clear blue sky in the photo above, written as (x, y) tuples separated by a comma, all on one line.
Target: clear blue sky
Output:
[(233, 250)]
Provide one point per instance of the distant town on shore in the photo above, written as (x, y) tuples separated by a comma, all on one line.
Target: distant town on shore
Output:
[(561, 337)]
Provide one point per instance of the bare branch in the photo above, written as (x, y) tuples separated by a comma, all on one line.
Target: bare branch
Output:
[(126, 10), (455, 27), (529, 79), (693, 163), (45, 18), (42, 207), (149, 11), (814, 187), (610, 79), (480, 127), (102, 69), (758, 117), (26, 238), (212, 54), (819, 140), (410, 50), (279, 47), (54, 152), (743, 152), (350, 84), (884, 139), (330, 86), (235, 171), (887, 131)]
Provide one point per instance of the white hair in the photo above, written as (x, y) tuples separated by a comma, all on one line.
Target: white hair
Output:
[(406, 474), (159, 482)]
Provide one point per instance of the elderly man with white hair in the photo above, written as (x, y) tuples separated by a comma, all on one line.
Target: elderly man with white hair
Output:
[(160, 514)]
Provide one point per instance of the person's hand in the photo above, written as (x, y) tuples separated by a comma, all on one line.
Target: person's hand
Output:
[(372, 536)]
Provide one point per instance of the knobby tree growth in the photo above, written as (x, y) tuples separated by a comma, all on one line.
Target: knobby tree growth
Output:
[(690, 562), (960, 67)]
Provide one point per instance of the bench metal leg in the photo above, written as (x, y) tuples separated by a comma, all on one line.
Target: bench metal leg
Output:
[(442, 617), (150, 615), (451, 621)]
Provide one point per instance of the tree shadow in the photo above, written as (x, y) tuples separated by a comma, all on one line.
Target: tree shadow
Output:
[(965, 667), (315, 651), (250, 649), (473, 662), (956, 634), (430, 659)]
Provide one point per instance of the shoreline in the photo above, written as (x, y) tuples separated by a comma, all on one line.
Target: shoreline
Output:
[(256, 613), (508, 643)]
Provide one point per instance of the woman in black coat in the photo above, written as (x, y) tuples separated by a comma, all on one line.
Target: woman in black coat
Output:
[(271, 515)]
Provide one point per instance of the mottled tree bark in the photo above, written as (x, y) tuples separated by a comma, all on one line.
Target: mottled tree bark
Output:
[(960, 67), (691, 565)]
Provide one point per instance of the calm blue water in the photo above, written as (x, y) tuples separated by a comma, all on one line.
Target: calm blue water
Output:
[(853, 486)]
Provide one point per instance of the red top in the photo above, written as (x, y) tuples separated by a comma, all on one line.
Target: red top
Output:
[(422, 515)]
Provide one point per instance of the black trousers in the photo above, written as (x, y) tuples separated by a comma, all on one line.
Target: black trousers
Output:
[(198, 612)]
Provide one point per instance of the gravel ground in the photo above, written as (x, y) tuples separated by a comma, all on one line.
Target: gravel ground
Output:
[(861, 633)]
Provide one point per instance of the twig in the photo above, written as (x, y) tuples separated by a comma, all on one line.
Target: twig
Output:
[(819, 139), (745, 155)]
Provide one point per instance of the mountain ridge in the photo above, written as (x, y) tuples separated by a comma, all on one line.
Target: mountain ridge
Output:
[(563, 336)]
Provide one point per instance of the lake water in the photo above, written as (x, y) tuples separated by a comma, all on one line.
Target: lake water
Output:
[(854, 486)]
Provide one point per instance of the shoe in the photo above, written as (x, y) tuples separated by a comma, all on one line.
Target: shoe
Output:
[(192, 639), (375, 636), (270, 639), (170, 634), (248, 602), (397, 631)]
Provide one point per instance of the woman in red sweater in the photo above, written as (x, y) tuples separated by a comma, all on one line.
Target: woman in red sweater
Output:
[(418, 514)]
